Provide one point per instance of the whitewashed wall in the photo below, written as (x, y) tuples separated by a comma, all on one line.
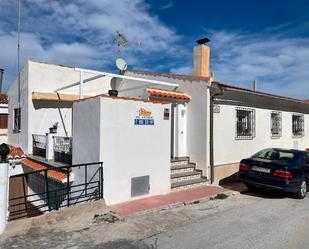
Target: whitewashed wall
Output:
[(36, 119), (228, 150), (126, 150), (197, 113), (19, 139)]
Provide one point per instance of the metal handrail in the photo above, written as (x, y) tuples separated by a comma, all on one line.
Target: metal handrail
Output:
[(57, 195)]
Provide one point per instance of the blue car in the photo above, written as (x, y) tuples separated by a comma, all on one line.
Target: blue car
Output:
[(277, 169)]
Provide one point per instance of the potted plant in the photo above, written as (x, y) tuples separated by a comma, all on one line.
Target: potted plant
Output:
[(53, 129)]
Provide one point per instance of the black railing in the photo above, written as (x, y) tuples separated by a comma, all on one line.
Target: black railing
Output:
[(54, 188)]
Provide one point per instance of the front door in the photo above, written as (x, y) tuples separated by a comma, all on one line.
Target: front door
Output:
[(179, 131)]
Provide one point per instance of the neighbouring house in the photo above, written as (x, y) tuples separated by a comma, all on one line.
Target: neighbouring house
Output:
[(162, 132)]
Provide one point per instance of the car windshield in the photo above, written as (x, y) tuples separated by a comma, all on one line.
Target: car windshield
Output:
[(276, 154)]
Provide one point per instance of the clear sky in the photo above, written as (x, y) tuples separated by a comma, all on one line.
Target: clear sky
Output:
[(257, 39)]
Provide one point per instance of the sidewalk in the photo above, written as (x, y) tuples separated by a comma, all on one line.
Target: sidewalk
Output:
[(183, 196)]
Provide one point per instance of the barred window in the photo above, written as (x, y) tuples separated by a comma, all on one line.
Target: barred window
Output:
[(245, 123), (298, 125), (276, 124)]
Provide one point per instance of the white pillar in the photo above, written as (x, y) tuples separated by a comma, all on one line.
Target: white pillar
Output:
[(4, 189), (49, 146)]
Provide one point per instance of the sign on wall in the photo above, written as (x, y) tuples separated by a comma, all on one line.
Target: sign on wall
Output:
[(216, 108), (144, 117)]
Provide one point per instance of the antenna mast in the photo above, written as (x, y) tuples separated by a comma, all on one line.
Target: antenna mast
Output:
[(18, 52)]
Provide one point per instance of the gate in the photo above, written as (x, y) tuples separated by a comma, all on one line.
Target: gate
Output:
[(36, 192)]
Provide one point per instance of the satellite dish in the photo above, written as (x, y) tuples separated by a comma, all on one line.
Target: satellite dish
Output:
[(121, 64), (115, 83)]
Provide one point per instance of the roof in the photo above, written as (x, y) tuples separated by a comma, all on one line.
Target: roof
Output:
[(231, 95), (15, 153), (54, 174), (3, 98), (157, 92), (127, 98), (169, 75), (52, 96), (241, 89), (52, 64)]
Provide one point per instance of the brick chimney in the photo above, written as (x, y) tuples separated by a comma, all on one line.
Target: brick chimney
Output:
[(201, 58)]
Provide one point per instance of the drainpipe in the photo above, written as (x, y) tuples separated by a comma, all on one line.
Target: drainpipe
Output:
[(211, 135)]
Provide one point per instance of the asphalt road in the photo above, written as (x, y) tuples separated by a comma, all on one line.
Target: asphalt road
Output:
[(270, 221), (252, 220)]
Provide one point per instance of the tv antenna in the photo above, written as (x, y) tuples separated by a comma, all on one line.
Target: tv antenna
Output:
[(123, 42)]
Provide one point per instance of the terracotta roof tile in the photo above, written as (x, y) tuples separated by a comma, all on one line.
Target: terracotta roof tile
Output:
[(15, 153), (3, 98), (126, 98), (157, 92), (52, 173)]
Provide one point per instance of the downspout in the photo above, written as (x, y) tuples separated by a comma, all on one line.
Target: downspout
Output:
[(211, 134)]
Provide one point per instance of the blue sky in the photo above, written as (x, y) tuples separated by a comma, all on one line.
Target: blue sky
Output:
[(263, 40)]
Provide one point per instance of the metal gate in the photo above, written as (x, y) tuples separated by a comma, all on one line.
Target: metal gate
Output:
[(37, 192)]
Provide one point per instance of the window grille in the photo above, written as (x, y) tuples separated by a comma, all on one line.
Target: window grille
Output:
[(276, 124), (16, 126), (298, 125), (245, 123)]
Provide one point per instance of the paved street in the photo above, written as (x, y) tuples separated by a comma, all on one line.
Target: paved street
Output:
[(269, 222), (240, 221)]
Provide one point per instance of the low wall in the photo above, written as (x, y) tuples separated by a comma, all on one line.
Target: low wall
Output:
[(223, 171)]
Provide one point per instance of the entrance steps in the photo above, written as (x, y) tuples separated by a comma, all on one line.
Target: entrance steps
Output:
[(184, 174)]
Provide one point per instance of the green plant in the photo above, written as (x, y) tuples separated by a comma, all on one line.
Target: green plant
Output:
[(4, 151)]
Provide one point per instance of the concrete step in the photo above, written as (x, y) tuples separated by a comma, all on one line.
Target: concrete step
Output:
[(186, 176), (189, 184), (176, 169), (180, 161)]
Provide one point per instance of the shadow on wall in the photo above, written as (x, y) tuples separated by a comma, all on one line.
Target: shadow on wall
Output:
[(54, 105), (51, 104)]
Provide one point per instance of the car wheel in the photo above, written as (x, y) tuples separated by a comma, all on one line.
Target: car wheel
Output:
[(250, 187), (302, 189)]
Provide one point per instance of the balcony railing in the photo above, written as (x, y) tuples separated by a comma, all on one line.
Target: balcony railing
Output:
[(63, 149), (39, 145), (51, 147)]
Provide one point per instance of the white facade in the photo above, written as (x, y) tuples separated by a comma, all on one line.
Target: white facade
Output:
[(229, 150), (37, 118), (104, 130), (196, 137)]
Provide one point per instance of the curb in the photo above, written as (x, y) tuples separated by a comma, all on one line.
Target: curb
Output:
[(178, 204)]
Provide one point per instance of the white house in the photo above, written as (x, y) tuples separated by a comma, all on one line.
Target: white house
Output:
[(162, 132)]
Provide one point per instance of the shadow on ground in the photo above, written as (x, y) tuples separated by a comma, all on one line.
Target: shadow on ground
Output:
[(232, 183), (124, 244), (42, 239)]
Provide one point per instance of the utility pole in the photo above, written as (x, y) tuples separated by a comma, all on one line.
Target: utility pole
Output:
[(18, 53)]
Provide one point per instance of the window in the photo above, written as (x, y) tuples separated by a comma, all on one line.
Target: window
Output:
[(275, 125), (3, 121), (298, 125), (16, 125), (245, 123), (276, 154)]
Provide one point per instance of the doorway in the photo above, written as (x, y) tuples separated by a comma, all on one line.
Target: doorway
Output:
[(179, 131)]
